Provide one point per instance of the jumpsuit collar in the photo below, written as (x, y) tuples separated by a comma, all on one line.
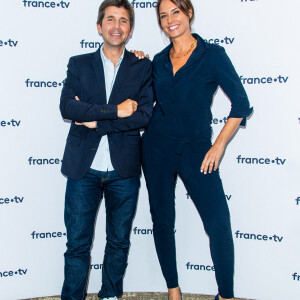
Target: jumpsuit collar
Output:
[(196, 55)]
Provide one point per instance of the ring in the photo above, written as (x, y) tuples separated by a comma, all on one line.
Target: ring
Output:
[(211, 162)]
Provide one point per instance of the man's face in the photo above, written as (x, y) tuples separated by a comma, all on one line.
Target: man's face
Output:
[(115, 28)]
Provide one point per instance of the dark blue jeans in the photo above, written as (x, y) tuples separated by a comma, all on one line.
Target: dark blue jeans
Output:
[(81, 205)]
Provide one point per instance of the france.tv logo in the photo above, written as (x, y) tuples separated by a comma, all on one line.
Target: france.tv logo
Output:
[(143, 4), (47, 235), (43, 161), (91, 45), (219, 41), (9, 43), (43, 83), (280, 79), (259, 237), (46, 4), (8, 200), (260, 161), (19, 272), (11, 123)]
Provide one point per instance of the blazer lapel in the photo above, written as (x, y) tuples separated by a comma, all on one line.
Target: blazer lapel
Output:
[(121, 77), (100, 79)]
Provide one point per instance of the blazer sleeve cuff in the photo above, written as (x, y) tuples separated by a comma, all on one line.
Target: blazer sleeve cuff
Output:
[(108, 112)]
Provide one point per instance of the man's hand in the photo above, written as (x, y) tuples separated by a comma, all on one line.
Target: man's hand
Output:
[(127, 108), (91, 125)]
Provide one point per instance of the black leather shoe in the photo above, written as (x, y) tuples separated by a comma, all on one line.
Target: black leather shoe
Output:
[(217, 297)]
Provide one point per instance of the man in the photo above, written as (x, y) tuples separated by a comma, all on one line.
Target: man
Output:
[(108, 96)]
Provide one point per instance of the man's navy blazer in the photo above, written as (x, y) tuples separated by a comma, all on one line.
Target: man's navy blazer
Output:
[(85, 79)]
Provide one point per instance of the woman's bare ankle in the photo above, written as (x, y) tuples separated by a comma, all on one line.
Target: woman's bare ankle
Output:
[(174, 294), (221, 298)]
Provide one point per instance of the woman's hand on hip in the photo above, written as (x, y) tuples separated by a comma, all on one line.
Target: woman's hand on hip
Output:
[(212, 158)]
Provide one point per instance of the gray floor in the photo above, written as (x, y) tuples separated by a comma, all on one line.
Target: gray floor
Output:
[(143, 296)]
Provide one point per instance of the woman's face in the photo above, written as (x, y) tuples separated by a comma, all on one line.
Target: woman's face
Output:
[(173, 21)]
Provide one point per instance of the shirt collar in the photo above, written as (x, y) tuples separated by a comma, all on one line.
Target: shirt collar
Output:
[(105, 59)]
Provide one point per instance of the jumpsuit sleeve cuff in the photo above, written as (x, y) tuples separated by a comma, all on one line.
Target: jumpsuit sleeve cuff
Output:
[(243, 115)]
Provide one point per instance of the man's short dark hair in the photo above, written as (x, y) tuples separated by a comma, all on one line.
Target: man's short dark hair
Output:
[(118, 3)]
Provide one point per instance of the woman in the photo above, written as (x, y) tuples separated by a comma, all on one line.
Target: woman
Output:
[(177, 141)]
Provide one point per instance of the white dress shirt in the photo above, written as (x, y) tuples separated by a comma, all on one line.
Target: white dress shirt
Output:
[(102, 160)]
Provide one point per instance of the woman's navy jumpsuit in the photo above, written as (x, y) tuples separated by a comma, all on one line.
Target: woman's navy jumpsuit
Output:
[(175, 143)]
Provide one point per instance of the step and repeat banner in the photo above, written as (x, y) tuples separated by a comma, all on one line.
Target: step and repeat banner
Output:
[(260, 170)]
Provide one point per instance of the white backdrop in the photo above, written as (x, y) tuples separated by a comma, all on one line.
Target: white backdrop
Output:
[(260, 170)]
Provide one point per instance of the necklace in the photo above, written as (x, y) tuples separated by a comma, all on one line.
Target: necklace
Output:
[(186, 52)]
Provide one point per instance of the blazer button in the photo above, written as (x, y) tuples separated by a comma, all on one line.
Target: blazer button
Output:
[(94, 149)]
